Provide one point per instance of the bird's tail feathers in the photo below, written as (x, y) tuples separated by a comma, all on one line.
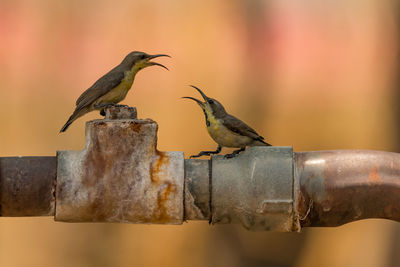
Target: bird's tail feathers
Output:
[(67, 124), (260, 142), (77, 113)]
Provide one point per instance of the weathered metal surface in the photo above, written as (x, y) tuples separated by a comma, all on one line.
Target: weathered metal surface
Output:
[(120, 112), (197, 189), (254, 189), (27, 186), (337, 187), (120, 176)]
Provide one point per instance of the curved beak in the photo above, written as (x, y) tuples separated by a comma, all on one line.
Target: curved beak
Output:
[(194, 99), (158, 55), (201, 92), (155, 63)]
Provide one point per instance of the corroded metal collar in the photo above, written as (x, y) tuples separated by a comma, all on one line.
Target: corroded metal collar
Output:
[(120, 176)]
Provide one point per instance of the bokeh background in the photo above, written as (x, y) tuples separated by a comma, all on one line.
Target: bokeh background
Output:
[(309, 74)]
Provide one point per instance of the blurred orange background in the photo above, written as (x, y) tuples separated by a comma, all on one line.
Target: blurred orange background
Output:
[(309, 74)]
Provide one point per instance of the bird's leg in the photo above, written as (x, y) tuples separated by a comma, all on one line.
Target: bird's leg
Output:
[(234, 153), (207, 153)]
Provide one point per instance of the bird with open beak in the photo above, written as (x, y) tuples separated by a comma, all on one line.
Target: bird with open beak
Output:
[(225, 129), (113, 86)]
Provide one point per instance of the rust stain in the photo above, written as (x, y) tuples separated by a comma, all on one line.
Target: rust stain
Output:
[(156, 166), (161, 214), (93, 159), (100, 168), (374, 177), (165, 188), (136, 126)]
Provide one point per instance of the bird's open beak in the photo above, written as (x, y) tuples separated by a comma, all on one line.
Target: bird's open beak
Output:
[(201, 92), (198, 101), (150, 63)]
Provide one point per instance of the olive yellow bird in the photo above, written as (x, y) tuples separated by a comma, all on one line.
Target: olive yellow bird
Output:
[(113, 86), (225, 129)]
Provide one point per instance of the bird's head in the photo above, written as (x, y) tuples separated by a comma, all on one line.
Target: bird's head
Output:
[(141, 60), (210, 105)]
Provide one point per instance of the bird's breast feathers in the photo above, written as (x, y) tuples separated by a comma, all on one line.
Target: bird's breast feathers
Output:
[(223, 136)]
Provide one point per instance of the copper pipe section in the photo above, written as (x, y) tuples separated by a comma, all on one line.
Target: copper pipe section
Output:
[(337, 187), (27, 186)]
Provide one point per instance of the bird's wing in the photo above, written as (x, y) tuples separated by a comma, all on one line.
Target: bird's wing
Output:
[(100, 88), (239, 127)]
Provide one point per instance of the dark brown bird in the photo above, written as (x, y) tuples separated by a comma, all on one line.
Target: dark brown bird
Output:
[(113, 86)]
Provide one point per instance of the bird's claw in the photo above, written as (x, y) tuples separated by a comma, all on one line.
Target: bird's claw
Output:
[(206, 153), (203, 153), (234, 153), (229, 156)]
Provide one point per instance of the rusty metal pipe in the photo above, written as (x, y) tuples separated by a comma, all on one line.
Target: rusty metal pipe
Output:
[(27, 186), (337, 187), (333, 187), (120, 176)]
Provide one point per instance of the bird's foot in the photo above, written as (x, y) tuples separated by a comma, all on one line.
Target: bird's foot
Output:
[(234, 153), (229, 156), (202, 153), (207, 153)]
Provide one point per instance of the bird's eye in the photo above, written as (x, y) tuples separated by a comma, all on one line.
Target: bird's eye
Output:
[(143, 56), (210, 101)]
